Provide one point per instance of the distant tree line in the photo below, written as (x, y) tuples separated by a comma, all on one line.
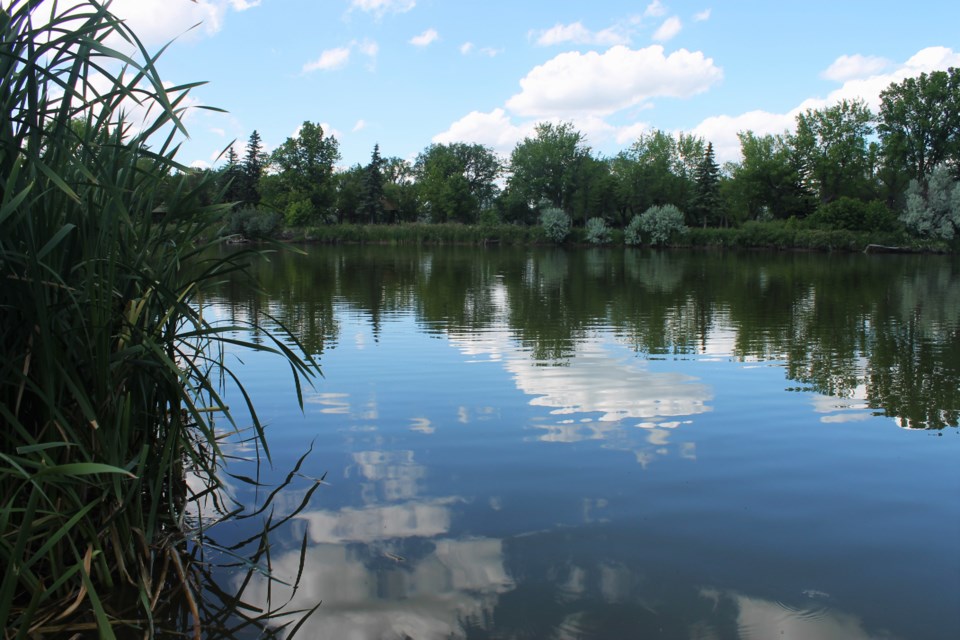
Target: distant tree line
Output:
[(842, 167)]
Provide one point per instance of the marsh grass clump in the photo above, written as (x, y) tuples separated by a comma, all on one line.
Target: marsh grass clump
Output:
[(110, 374)]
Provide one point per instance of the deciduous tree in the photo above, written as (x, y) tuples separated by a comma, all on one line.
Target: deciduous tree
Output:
[(920, 124), (304, 164), (831, 145), (548, 165), (454, 181)]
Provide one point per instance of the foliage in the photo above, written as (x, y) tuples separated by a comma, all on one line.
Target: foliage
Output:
[(662, 223), (304, 168), (853, 215), (232, 178), (769, 179), (633, 234), (371, 192), (831, 146), (253, 222), (110, 373), (548, 166), (658, 169), (920, 123), (556, 224), (936, 215), (489, 218), (254, 162), (597, 231), (455, 181), (707, 205), (416, 233)]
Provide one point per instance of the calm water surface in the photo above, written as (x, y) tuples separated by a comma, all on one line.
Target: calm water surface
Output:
[(610, 444)]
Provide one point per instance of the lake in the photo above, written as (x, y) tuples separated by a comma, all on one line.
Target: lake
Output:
[(610, 443)]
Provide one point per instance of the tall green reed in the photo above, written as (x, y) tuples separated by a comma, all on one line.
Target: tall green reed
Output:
[(110, 375)]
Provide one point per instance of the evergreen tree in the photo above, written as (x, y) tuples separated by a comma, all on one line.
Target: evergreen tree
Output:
[(371, 195), (253, 166), (233, 177), (707, 202)]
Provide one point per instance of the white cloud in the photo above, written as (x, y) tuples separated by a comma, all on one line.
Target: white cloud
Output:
[(491, 52), (722, 129), (594, 83), (578, 34), (466, 48), (856, 66), (329, 60), (493, 129), (338, 57), (328, 130), (425, 38), (670, 28), (655, 9), (360, 126), (157, 22), (368, 48), (378, 8), (628, 134), (702, 16)]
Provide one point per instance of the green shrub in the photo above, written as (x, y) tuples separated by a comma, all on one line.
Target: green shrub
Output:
[(253, 223), (556, 224), (597, 231), (853, 215), (489, 218), (662, 223), (633, 234), (935, 215), (300, 213)]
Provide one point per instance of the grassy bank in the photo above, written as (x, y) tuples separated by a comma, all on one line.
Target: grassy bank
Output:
[(109, 372), (752, 235)]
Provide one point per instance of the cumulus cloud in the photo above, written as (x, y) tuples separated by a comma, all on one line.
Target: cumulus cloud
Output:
[(722, 129), (466, 48), (575, 83), (702, 16), (425, 38), (338, 57), (157, 22), (670, 28), (329, 60), (496, 129), (493, 129), (629, 133), (579, 34), (856, 66), (379, 8)]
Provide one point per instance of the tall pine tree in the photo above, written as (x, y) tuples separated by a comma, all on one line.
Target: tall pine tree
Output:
[(707, 203), (233, 177), (371, 195), (253, 165)]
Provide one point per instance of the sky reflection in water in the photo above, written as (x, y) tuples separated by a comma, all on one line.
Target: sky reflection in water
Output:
[(483, 484)]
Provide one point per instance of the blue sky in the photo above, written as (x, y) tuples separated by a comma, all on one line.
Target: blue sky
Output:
[(406, 73)]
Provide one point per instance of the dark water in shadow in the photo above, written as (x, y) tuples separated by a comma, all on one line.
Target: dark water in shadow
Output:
[(610, 444)]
